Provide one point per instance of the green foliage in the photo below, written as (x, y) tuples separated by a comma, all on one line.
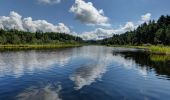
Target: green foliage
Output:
[(20, 37), (37, 46), (147, 33)]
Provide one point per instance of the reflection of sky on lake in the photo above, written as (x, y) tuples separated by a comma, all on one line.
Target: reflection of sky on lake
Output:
[(16, 63), (89, 72), (100, 59), (130, 65), (48, 92)]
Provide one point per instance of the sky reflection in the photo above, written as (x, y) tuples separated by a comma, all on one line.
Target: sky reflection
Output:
[(48, 92), (80, 71), (16, 63)]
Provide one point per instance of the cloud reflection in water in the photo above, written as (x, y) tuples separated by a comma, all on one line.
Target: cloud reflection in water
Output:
[(100, 58), (48, 92), (87, 74), (17, 63)]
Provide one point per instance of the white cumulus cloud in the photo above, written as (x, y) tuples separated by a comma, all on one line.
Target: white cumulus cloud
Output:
[(146, 17), (15, 21), (88, 14), (49, 1), (128, 26), (12, 21), (101, 33), (97, 34)]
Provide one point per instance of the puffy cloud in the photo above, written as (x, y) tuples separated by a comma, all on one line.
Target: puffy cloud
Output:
[(146, 17), (129, 26), (15, 21), (49, 1), (97, 34), (44, 26), (88, 14), (101, 33), (12, 22)]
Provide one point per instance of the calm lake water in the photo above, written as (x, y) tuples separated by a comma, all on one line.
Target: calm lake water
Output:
[(84, 73)]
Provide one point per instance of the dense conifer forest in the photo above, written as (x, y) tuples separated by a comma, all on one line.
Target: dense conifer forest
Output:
[(153, 32)]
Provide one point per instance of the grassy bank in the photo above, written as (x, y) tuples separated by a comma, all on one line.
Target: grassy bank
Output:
[(37, 46), (152, 49), (159, 49), (156, 49)]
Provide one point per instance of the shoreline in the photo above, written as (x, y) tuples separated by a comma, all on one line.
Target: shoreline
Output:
[(36, 46), (160, 50)]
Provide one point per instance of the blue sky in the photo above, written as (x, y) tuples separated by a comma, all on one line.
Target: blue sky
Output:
[(118, 12)]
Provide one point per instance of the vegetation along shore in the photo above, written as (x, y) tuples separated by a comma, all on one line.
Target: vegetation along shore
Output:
[(154, 36), (14, 39)]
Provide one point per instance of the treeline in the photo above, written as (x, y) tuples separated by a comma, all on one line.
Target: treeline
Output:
[(20, 37), (147, 33)]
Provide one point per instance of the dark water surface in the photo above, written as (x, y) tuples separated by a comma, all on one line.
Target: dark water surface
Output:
[(84, 73)]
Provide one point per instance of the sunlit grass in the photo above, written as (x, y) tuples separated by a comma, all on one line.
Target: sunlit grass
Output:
[(160, 49), (37, 46), (156, 49)]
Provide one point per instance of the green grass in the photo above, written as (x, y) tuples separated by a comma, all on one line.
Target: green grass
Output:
[(160, 49), (37, 46), (156, 49)]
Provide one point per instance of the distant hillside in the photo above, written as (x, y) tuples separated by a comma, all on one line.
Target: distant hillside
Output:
[(152, 33), (20, 37)]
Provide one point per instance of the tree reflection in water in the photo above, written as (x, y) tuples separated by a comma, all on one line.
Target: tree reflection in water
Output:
[(159, 63)]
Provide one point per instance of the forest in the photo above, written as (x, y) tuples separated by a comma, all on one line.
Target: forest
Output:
[(153, 32), (21, 37)]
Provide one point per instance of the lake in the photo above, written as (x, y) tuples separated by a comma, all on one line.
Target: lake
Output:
[(84, 73)]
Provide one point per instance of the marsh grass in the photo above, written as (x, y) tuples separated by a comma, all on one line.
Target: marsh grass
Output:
[(160, 49), (36, 46), (156, 49)]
